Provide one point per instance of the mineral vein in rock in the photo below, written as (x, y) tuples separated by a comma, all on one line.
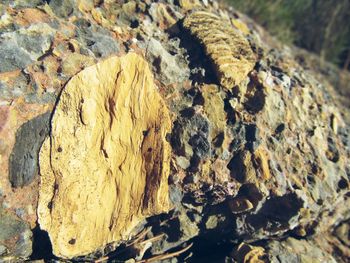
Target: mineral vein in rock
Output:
[(230, 52), (105, 166)]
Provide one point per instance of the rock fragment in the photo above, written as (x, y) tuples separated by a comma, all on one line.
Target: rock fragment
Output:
[(20, 48), (168, 66), (246, 253), (214, 109), (239, 205), (261, 157), (294, 250), (17, 234), (97, 40), (62, 8), (12, 56), (24, 158), (241, 167), (105, 166)]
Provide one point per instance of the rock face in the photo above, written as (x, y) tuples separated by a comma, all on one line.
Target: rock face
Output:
[(134, 130), (105, 166)]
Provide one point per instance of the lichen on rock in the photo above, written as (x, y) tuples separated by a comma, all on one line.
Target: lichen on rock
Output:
[(229, 51), (105, 166)]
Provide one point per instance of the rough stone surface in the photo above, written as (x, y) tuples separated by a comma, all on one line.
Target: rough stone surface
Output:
[(62, 8), (13, 57), (105, 165), (294, 250), (98, 40), (17, 234), (24, 158), (259, 139), (168, 67), (20, 48)]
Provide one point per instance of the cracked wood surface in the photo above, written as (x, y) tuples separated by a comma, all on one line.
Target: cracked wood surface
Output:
[(105, 166)]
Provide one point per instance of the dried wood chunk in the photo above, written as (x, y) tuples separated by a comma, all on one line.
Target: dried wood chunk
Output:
[(229, 51), (105, 166)]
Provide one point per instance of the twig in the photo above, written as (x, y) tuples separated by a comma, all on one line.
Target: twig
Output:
[(152, 239), (139, 236), (165, 256), (167, 220)]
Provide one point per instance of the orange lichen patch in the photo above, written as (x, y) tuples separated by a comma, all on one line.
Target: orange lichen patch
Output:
[(9, 76), (4, 113), (30, 16), (229, 51), (105, 166), (12, 116), (42, 80)]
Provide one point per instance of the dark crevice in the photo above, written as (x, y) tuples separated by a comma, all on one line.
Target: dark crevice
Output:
[(199, 63), (42, 248)]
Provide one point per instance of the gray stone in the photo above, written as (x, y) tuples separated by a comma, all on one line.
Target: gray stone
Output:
[(23, 247), (190, 136), (62, 8), (24, 3), (104, 45), (23, 163), (18, 88), (165, 64), (14, 228), (96, 39), (182, 162), (34, 44), (12, 57), (2, 250), (20, 48), (292, 250)]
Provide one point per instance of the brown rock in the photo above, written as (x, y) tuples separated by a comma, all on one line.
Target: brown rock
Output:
[(261, 157), (75, 62), (240, 204), (250, 254), (241, 167), (214, 109)]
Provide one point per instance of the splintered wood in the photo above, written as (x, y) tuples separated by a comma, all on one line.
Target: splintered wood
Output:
[(105, 165), (229, 51)]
